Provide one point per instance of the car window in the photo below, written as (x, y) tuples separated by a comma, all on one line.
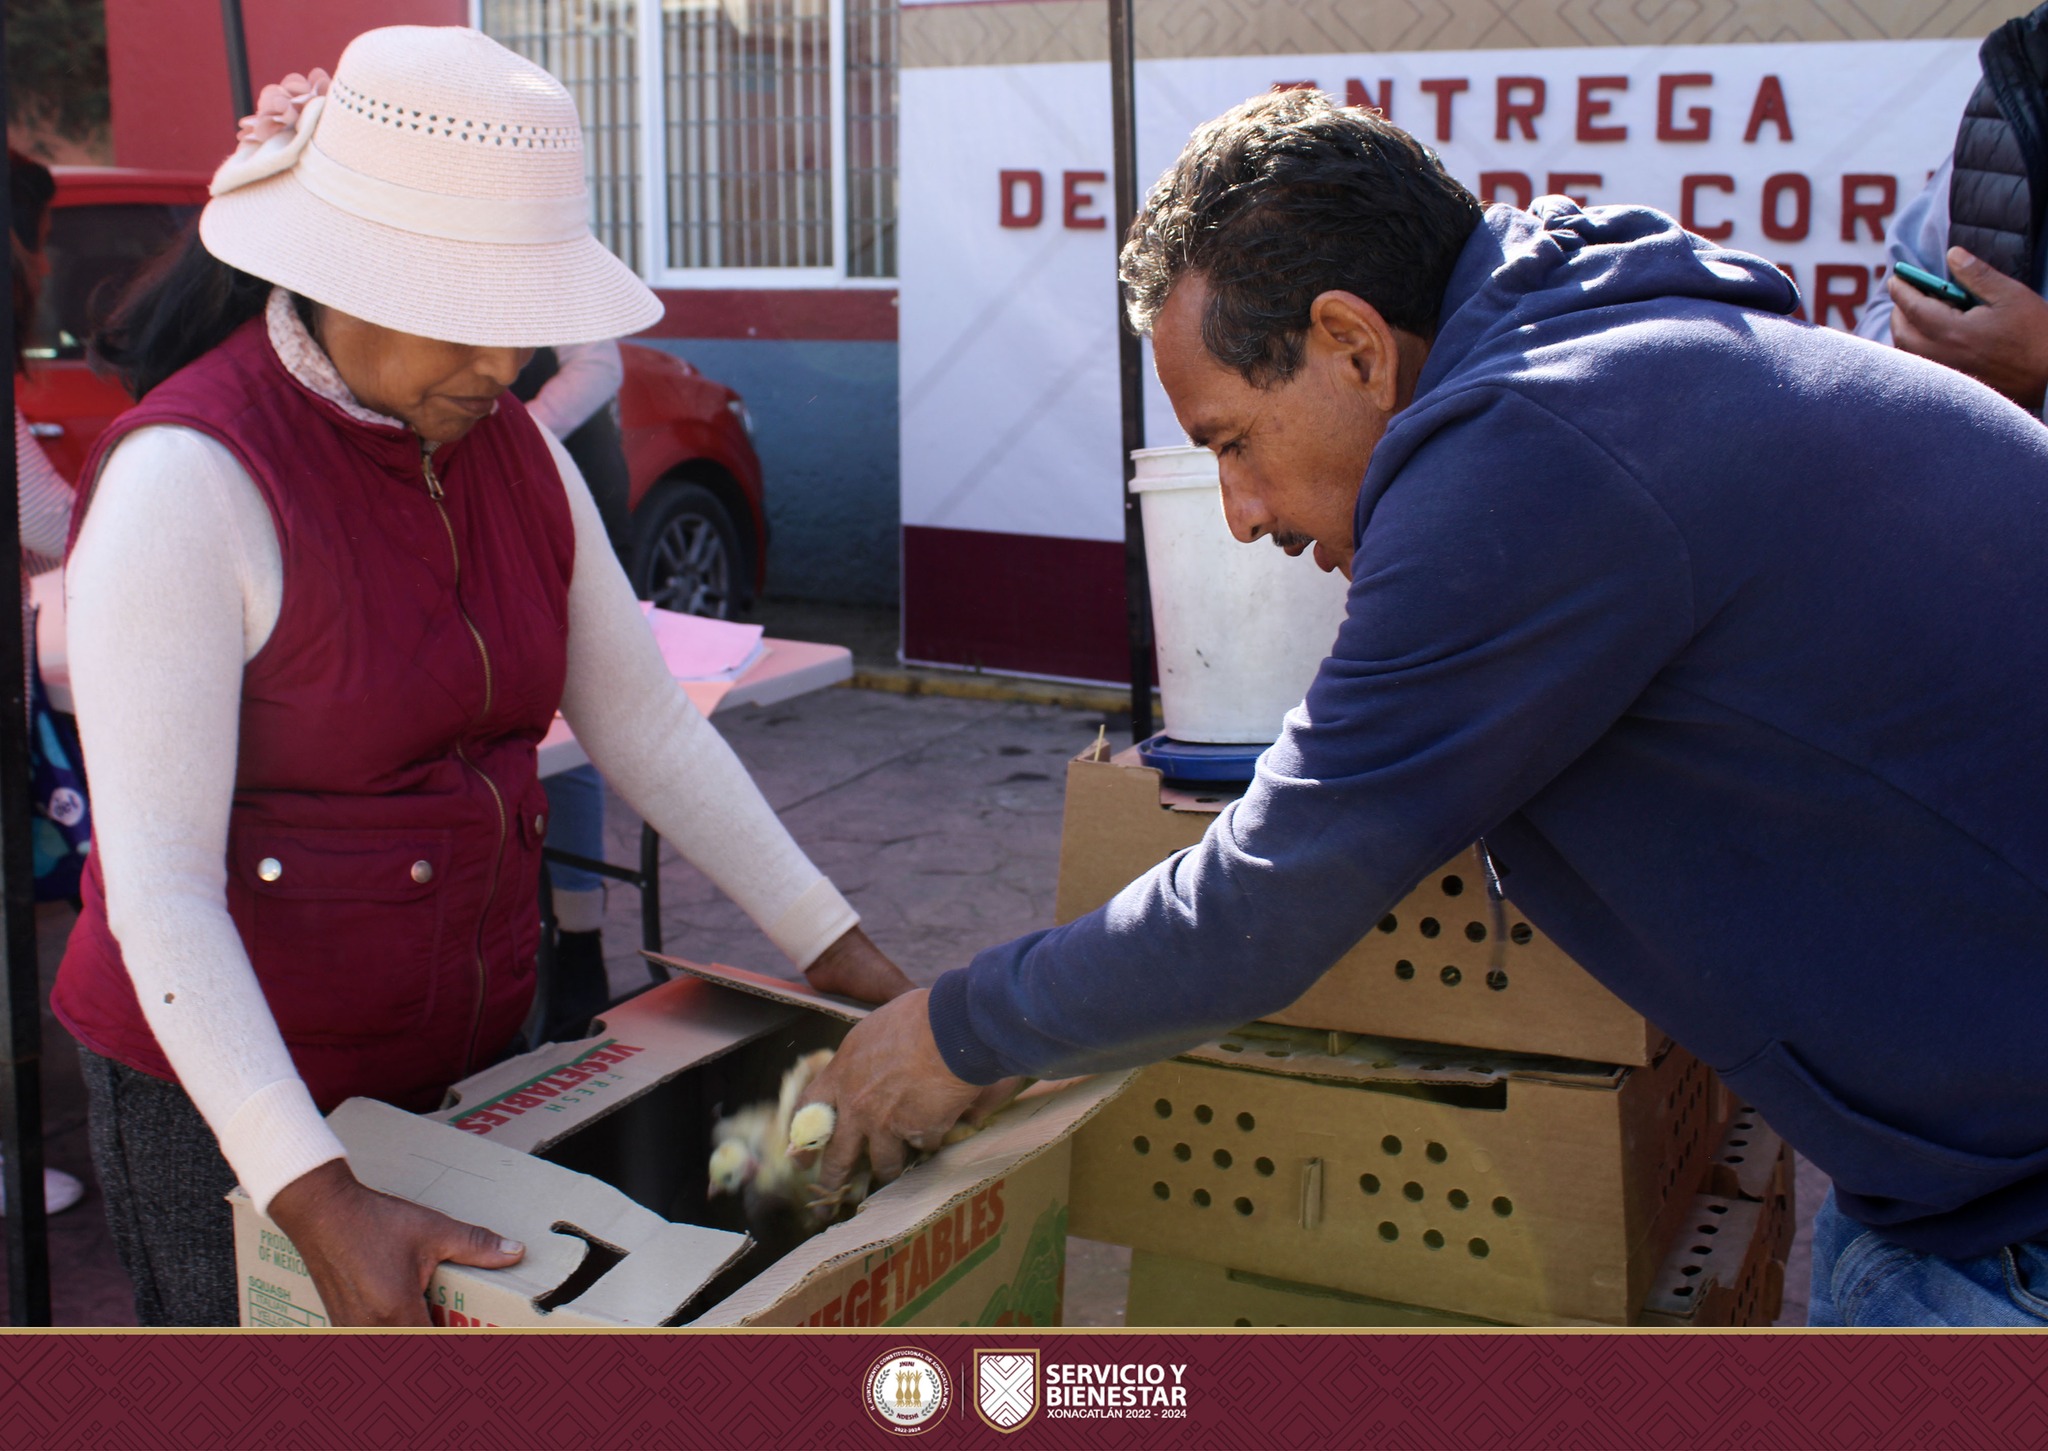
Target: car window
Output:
[(93, 251)]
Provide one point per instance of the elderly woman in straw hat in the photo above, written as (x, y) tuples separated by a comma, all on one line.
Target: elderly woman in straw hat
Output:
[(326, 593)]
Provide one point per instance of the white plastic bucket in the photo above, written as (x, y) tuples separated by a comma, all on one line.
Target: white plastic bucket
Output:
[(1241, 628)]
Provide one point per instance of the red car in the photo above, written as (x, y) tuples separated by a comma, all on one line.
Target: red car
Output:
[(700, 531)]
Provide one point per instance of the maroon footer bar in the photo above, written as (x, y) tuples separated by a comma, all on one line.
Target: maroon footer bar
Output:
[(992, 1388)]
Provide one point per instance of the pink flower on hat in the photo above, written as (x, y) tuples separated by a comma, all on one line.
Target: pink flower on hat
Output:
[(278, 108)]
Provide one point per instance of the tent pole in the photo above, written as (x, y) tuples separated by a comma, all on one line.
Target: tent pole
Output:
[(238, 59), (21, 1025), (1130, 365)]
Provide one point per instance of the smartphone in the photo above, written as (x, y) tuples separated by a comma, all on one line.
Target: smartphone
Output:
[(1934, 286)]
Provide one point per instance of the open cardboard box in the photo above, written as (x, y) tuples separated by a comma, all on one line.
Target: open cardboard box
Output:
[(594, 1155), (1516, 1189), (1420, 975)]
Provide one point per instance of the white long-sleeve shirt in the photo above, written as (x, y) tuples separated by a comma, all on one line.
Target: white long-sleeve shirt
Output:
[(587, 376), (174, 585)]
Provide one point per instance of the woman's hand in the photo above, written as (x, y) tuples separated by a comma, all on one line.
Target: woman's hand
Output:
[(371, 1254), (854, 967)]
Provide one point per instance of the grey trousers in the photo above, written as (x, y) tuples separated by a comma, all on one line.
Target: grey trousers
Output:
[(164, 1183)]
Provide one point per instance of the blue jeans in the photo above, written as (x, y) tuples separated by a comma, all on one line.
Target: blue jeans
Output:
[(1863, 1281), (576, 824)]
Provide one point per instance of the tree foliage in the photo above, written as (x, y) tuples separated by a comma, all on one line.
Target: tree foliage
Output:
[(57, 64)]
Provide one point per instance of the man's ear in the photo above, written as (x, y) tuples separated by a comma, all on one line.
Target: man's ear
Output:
[(1345, 329)]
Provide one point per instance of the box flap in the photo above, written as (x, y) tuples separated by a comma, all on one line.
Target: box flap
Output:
[(563, 1218), (1338, 1057), (790, 991), (1040, 1119), (530, 1101)]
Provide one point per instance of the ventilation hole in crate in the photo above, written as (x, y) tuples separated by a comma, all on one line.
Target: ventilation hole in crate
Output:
[(1203, 1113), (1201, 1198), (1432, 1068), (1453, 886), (1222, 1158), (1276, 1052), (1264, 1167), (1434, 1238), (1707, 1228), (1246, 1122), (1160, 1191), (1732, 1159), (1475, 931), (1207, 800), (1389, 1231), (1691, 1270), (1700, 1249), (1391, 1144), (1717, 1209), (1241, 1323), (1231, 1047), (1682, 1291), (1457, 1199), (1370, 1183), (1451, 976), (1404, 969), (1163, 1108), (1242, 1206), (1390, 923), (1497, 980), (1429, 927), (1738, 1143), (1413, 1190), (1183, 1153), (1142, 1144), (1480, 1249), (1503, 1206), (1519, 934), (1437, 1152)]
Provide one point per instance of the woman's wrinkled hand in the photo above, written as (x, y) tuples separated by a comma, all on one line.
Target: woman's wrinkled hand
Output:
[(371, 1254), (853, 967)]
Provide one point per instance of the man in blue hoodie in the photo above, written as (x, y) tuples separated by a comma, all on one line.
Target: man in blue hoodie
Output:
[(1727, 633)]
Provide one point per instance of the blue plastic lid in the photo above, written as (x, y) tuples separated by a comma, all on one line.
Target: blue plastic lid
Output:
[(1199, 762)]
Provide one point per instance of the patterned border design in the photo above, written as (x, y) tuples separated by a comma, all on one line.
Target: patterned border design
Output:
[(1025, 32), (455, 1389)]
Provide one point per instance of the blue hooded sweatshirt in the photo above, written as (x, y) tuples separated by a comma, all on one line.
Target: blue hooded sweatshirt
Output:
[(1730, 634)]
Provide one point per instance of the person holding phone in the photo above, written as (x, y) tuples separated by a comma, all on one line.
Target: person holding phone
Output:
[(1968, 266)]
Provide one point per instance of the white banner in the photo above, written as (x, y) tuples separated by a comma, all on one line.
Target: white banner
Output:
[(1798, 152)]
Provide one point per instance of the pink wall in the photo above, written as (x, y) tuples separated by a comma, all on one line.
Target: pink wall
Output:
[(168, 65)]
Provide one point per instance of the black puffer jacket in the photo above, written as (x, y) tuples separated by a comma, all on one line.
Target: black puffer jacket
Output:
[(2000, 185)]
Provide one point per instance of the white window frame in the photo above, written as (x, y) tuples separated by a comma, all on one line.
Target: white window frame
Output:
[(654, 268)]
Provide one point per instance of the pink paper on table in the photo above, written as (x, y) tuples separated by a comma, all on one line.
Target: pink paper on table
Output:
[(707, 657)]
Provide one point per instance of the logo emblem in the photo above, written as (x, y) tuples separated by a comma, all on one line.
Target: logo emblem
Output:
[(906, 1391), (1006, 1387)]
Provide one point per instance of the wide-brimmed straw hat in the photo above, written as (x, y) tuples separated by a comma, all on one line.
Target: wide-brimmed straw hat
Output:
[(435, 187)]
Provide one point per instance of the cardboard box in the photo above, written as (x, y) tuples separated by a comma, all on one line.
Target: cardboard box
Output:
[(594, 1155), (1753, 1163), (1171, 1293), (1721, 1273), (1509, 1188), (1424, 973)]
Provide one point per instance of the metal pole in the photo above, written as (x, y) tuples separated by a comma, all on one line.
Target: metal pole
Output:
[(238, 59), (1130, 364), (21, 1026)]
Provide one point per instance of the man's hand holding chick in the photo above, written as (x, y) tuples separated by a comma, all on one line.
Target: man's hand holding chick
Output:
[(891, 1092)]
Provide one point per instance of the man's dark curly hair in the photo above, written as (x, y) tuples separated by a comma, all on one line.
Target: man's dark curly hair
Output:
[(1286, 197)]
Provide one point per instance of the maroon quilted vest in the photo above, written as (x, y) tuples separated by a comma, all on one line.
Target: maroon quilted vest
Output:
[(384, 845)]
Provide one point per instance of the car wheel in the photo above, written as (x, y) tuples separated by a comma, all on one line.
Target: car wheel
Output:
[(686, 553)]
